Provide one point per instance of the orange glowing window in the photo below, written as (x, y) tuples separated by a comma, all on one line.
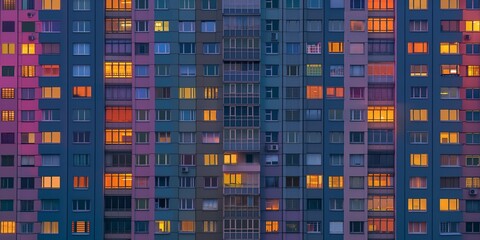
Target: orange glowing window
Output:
[(82, 92), (314, 92), (118, 114), (272, 204), (80, 227), (314, 181), (417, 47), (334, 92), (118, 181), (381, 114), (28, 71), (118, 69), (335, 47), (380, 25), (50, 70), (80, 181), (118, 136), (381, 5)]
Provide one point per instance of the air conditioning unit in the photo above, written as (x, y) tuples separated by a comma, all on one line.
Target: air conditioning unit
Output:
[(31, 37), (274, 37), (272, 147), (472, 192), (185, 169), (30, 14), (467, 37)]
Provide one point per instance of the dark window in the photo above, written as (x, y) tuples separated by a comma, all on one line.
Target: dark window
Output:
[(28, 26), (292, 182), (118, 225), (472, 93), (118, 47), (356, 227), (8, 26), (26, 205), (6, 205), (314, 204), (272, 182), (141, 226), (357, 4), (380, 160), (357, 137), (8, 71), (118, 93), (6, 182), (162, 93), (27, 183), (7, 161), (292, 204), (51, 48), (28, 4), (381, 93), (292, 226), (141, 48), (7, 138), (292, 159), (292, 92), (472, 227), (381, 47), (118, 203), (472, 206), (450, 26), (141, 4), (162, 203)]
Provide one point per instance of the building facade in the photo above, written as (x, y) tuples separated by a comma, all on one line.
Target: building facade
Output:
[(240, 119)]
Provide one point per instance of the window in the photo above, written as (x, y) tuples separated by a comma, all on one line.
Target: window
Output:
[(118, 69), (141, 26), (419, 93), (162, 26), (314, 204), (381, 225), (162, 226), (80, 205), (335, 47), (418, 114), (380, 180), (472, 227), (417, 47), (381, 46), (7, 227), (211, 48), (381, 24), (8, 5), (314, 26), (449, 204), (449, 115), (271, 226), (141, 4), (187, 70), (417, 227), (471, 93), (417, 204), (472, 26), (50, 160), (292, 182), (271, 48), (50, 4), (450, 25), (449, 4), (418, 70), (81, 5), (142, 93), (419, 160), (141, 48), (418, 182), (449, 48), (209, 4), (472, 49), (314, 69), (357, 70), (211, 70), (272, 182), (208, 26), (118, 181), (314, 181), (28, 48), (449, 137), (82, 92), (417, 4), (314, 92), (356, 227), (473, 71), (163, 137), (472, 160), (161, 4), (472, 138), (50, 182), (381, 114), (335, 25), (336, 227), (187, 226), (418, 25), (449, 93), (335, 182), (50, 137)]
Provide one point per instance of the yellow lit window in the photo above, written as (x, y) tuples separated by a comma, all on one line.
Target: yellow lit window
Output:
[(381, 114), (314, 92), (8, 116), (51, 182), (211, 93), (335, 182), (473, 71), (417, 4), (50, 92), (230, 158), (82, 92), (210, 115), (50, 4), (49, 227), (80, 227), (209, 226), (418, 115), (472, 182), (449, 48), (162, 26), (314, 69), (314, 181), (271, 226), (28, 48), (449, 115), (472, 26), (380, 180), (418, 159), (335, 47), (118, 69), (272, 204), (50, 137), (381, 5), (8, 93), (118, 5), (334, 92), (449, 204), (210, 159), (417, 204), (118, 181), (118, 136), (8, 48), (381, 203), (417, 47), (381, 24), (448, 4), (187, 93), (187, 226), (80, 181), (7, 227), (162, 226), (449, 137), (28, 71), (232, 180)]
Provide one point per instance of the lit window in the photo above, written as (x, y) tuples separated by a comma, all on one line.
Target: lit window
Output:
[(314, 69), (233, 180), (472, 182), (472, 26), (381, 5), (210, 115), (417, 4), (8, 116), (187, 93), (314, 181), (418, 182), (210, 159), (210, 93), (50, 137), (82, 92), (417, 47), (335, 47), (473, 71), (162, 26), (418, 70), (449, 204), (381, 225), (271, 226), (419, 160), (28, 71), (417, 204), (187, 226), (230, 158), (163, 137), (118, 69), (449, 69), (272, 204), (49, 227), (380, 180), (334, 92), (449, 137), (314, 92), (118, 136), (449, 48), (52, 182), (50, 4), (448, 4), (162, 226), (335, 182), (118, 5), (80, 227), (449, 115), (50, 70), (418, 115), (380, 25), (381, 203), (28, 48), (381, 114), (118, 181), (210, 137), (7, 227), (80, 182), (8, 48)]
